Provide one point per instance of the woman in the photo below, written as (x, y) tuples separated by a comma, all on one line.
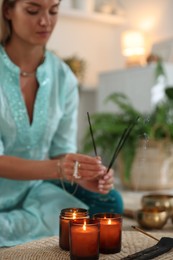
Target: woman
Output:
[(38, 114)]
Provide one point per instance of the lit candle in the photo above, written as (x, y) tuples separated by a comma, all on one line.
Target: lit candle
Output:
[(110, 232), (84, 239), (67, 215)]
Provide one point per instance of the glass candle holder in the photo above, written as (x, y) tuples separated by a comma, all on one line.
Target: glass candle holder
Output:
[(110, 232), (65, 216), (84, 239)]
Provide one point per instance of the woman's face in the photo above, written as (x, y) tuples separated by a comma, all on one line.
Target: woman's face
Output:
[(33, 20)]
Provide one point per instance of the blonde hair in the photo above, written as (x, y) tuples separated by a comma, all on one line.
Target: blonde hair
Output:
[(5, 25)]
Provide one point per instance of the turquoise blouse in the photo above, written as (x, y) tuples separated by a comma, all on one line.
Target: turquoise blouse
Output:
[(29, 209)]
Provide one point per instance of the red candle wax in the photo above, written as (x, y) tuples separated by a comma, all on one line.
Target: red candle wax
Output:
[(66, 216), (110, 236), (84, 241), (110, 232), (64, 234)]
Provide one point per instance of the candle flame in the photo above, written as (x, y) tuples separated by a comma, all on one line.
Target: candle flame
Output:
[(109, 222), (84, 225), (74, 215)]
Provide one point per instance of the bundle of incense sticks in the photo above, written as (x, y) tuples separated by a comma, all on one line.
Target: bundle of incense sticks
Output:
[(120, 144)]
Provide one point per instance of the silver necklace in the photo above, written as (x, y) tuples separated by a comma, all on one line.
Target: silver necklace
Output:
[(27, 74)]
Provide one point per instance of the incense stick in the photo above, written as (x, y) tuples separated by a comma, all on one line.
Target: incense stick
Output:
[(92, 135), (121, 142), (143, 232)]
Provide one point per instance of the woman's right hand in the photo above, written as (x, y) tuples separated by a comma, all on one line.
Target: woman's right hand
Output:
[(80, 166)]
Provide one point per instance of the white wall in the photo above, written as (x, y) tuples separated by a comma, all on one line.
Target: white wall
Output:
[(95, 42), (153, 16), (100, 45)]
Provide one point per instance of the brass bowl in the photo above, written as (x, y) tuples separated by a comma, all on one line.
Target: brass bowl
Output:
[(158, 201), (152, 218)]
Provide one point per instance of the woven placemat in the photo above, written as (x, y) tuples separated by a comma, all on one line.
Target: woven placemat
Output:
[(48, 249)]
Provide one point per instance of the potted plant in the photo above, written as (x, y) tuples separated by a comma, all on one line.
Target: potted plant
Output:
[(77, 65), (145, 160)]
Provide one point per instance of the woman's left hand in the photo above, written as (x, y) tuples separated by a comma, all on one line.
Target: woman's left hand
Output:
[(100, 185), (106, 183)]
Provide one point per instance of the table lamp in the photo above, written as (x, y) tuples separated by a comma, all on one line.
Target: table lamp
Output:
[(133, 48)]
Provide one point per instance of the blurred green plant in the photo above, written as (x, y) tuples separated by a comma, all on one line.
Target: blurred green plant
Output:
[(109, 126)]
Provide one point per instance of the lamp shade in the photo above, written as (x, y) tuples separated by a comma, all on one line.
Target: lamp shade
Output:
[(133, 43), (133, 48)]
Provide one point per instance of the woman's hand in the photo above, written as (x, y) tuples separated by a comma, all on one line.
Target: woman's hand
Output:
[(106, 183), (78, 166), (100, 185), (87, 171)]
